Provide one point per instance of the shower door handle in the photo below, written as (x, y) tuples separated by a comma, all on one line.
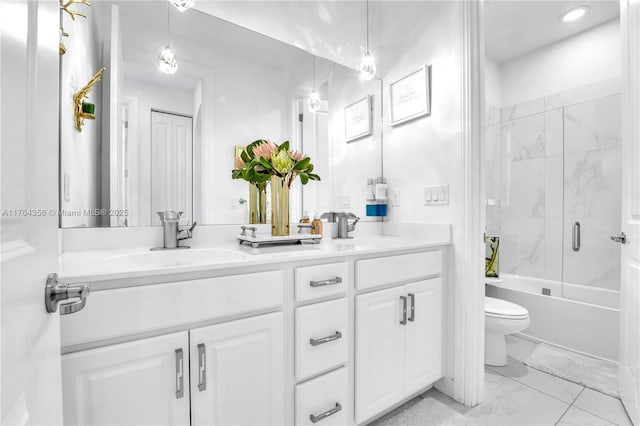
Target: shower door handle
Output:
[(575, 241)]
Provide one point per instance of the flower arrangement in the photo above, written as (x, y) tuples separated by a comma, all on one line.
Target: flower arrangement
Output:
[(262, 159)]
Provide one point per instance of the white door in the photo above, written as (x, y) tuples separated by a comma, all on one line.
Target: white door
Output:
[(145, 382), (423, 334), (237, 372), (171, 164), (629, 364), (379, 351), (31, 389)]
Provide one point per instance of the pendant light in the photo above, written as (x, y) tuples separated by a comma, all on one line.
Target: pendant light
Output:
[(167, 62), (313, 100), (367, 64), (182, 5)]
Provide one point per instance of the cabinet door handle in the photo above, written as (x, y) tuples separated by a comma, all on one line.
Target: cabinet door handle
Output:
[(412, 316), (179, 374), (315, 342), (575, 241), (404, 310), (322, 416), (336, 280), (202, 368)]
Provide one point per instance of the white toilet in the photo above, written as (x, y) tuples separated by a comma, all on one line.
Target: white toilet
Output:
[(501, 318)]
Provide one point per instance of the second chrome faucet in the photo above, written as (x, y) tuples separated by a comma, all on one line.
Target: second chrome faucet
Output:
[(172, 232)]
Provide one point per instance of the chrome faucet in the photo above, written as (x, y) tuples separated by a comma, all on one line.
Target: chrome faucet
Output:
[(171, 230), (344, 227)]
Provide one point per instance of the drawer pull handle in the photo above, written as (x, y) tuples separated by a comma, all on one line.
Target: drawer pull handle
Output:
[(403, 321), (202, 368), (316, 342), (179, 374), (322, 416), (336, 280), (412, 310)]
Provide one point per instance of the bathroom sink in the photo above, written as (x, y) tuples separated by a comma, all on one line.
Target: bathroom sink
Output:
[(180, 257)]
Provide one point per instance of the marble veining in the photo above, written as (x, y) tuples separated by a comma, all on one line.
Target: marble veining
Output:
[(556, 160)]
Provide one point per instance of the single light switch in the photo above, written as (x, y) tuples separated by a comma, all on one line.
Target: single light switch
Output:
[(427, 195), (442, 193), (395, 198), (435, 195), (67, 186)]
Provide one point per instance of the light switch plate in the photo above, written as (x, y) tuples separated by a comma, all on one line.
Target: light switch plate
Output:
[(436, 195), (395, 198), (67, 186), (344, 202)]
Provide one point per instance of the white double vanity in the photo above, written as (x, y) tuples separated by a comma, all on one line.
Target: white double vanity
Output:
[(335, 333)]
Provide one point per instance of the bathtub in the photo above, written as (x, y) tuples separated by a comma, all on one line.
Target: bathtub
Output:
[(584, 320)]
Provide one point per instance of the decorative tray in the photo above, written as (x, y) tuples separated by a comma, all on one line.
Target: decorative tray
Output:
[(257, 240)]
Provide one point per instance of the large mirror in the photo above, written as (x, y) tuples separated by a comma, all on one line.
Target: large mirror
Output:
[(168, 141)]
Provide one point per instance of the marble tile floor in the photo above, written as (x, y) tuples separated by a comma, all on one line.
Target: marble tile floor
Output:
[(514, 395)]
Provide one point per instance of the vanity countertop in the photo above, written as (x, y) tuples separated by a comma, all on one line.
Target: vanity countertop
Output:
[(118, 264)]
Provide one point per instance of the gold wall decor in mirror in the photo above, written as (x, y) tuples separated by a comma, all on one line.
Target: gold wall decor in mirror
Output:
[(83, 110)]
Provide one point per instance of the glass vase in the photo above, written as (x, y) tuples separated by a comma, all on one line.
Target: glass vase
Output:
[(279, 206), (257, 204)]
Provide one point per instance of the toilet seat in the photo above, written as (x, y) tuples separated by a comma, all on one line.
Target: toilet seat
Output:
[(498, 308)]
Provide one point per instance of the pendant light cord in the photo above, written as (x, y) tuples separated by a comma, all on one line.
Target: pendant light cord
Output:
[(314, 73), (367, 26)]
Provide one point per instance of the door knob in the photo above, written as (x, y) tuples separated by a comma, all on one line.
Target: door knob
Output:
[(622, 238), (56, 292)]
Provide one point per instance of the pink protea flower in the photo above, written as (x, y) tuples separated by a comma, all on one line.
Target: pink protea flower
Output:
[(239, 163), (265, 150), (297, 155)]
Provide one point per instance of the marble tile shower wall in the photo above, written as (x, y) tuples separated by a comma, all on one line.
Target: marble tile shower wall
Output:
[(550, 163)]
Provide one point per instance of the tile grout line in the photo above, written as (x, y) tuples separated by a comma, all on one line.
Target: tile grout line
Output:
[(570, 405), (538, 390)]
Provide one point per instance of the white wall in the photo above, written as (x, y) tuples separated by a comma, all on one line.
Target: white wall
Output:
[(146, 97), (80, 157), (493, 82), (585, 58), (426, 151), (351, 163)]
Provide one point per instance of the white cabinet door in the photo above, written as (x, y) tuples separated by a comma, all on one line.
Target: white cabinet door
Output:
[(423, 334), (136, 383), (379, 351), (237, 372)]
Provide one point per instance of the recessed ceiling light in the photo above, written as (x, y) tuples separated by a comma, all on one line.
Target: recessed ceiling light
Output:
[(574, 14)]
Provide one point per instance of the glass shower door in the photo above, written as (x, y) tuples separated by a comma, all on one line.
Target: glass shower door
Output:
[(591, 204)]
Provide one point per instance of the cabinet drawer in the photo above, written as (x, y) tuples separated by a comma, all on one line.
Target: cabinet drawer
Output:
[(314, 282), (127, 311), (325, 398), (321, 337), (392, 269)]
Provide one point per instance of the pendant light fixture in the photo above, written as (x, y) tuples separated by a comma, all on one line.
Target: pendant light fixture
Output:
[(367, 64), (182, 5), (167, 62), (313, 100)]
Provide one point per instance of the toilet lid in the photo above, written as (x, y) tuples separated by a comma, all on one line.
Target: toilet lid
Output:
[(502, 308)]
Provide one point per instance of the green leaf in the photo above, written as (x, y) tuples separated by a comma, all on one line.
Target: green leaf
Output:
[(265, 163), (284, 146), (302, 164), (245, 157), (314, 177), (304, 178)]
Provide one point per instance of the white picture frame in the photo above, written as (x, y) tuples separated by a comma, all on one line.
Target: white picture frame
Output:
[(410, 96), (357, 119)]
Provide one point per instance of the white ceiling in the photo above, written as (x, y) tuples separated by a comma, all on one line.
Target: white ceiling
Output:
[(516, 27)]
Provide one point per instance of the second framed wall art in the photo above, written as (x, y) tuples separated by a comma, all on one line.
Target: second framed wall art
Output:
[(411, 96)]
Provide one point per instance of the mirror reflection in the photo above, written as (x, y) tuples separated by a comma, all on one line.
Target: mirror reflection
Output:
[(181, 94)]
